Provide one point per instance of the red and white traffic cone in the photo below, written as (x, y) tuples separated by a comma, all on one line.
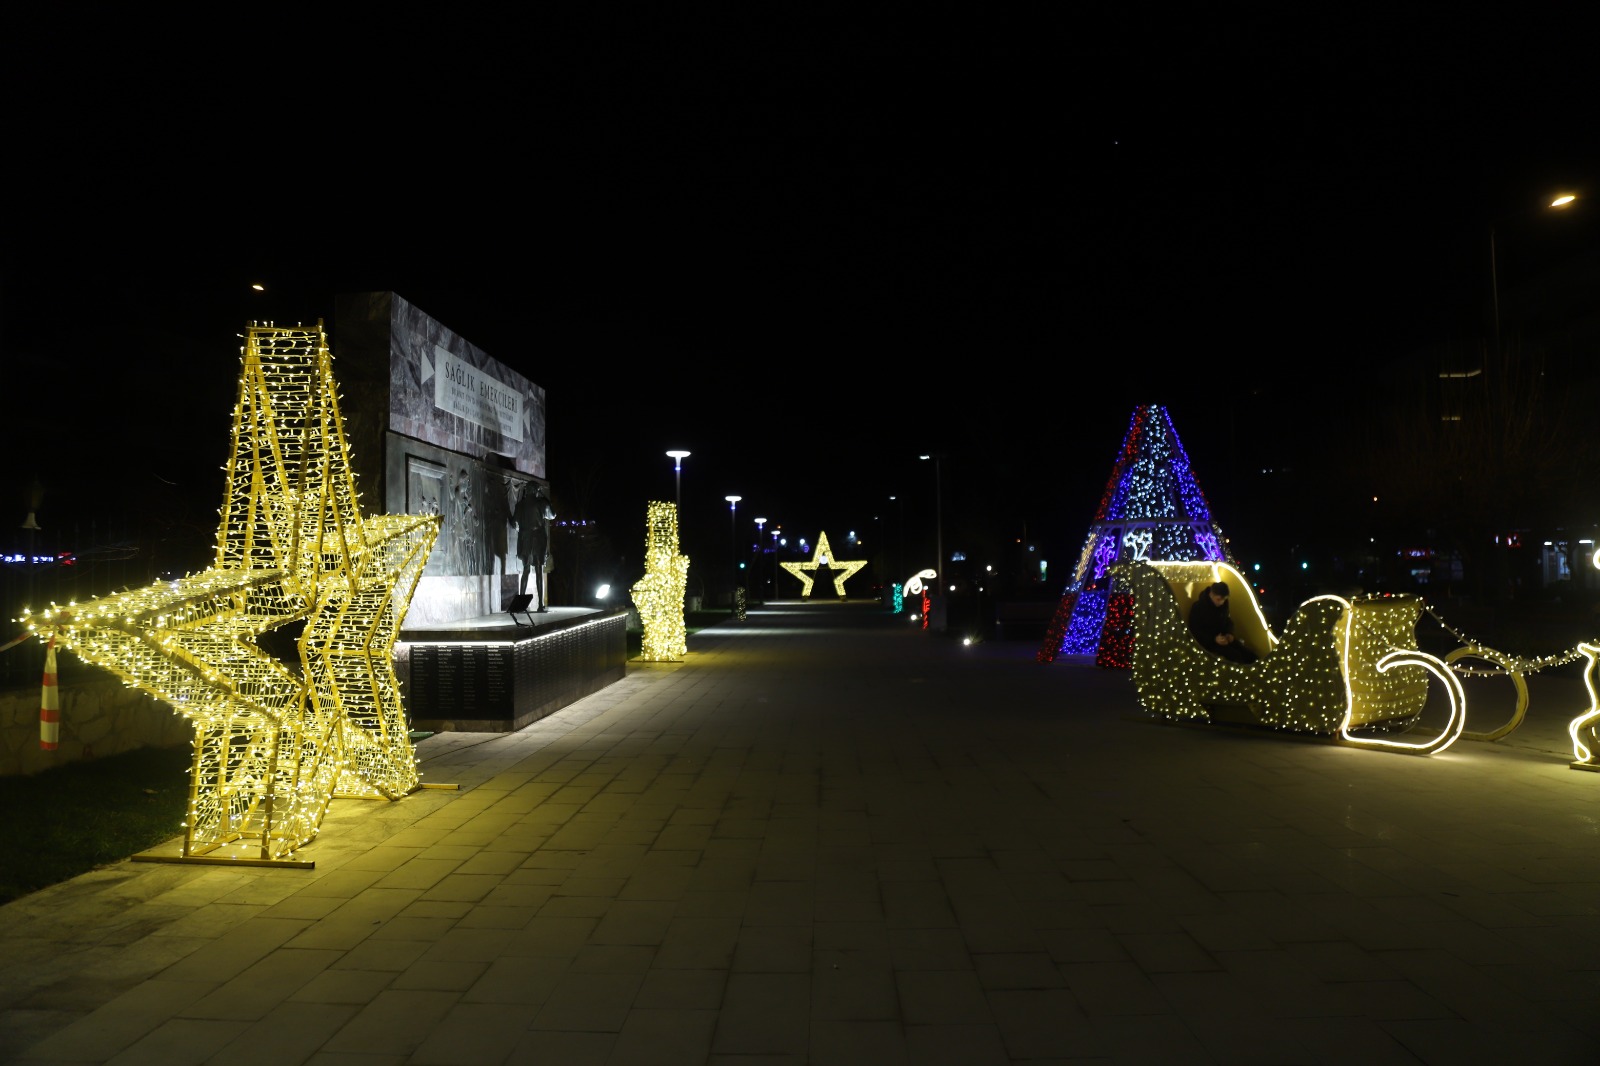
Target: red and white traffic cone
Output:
[(50, 701)]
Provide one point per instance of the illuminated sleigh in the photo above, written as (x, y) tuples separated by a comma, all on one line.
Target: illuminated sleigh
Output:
[(1344, 668)]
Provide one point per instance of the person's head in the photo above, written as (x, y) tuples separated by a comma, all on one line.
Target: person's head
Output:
[(1219, 593)]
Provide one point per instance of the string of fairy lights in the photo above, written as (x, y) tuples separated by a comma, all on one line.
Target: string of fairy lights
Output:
[(1513, 663)]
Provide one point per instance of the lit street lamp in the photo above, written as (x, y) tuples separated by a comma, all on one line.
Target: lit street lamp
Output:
[(938, 506), (1557, 203), (678, 455), (733, 536), (759, 523), (775, 562)]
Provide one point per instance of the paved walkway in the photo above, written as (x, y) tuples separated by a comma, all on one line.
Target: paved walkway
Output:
[(829, 838)]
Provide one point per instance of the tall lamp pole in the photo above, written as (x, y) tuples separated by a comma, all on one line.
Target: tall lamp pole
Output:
[(1559, 202), (759, 577), (938, 511), (775, 562), (733, 536)]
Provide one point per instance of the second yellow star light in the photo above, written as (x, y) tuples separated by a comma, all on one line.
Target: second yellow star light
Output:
[(823, 558)]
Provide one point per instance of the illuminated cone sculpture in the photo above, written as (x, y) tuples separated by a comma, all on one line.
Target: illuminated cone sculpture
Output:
[(1152, 509)]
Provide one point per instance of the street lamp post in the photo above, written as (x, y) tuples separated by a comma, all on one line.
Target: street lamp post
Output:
[(938, 511), (733, 536), (1557, 203), (678, 455), (759, 523)]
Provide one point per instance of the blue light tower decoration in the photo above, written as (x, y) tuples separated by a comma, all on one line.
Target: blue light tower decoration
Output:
[(1152, 508)]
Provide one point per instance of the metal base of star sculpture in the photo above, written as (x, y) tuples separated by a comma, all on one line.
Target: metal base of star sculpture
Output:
[(275, 741)]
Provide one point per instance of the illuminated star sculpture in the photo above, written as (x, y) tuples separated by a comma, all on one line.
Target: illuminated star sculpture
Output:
[(823, 559), (276, 739)]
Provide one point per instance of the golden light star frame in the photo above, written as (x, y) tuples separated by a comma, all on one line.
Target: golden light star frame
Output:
[(823, 557), (659, 594), (275, 741)]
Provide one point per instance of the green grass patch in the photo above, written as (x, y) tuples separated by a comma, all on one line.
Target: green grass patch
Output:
[(66, 821)]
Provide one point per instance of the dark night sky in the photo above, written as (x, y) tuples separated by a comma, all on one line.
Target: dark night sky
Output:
[(849, 243)]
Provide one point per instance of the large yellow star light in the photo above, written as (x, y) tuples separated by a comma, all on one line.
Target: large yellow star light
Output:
[(823, 558), (275, 740), (658, 595)]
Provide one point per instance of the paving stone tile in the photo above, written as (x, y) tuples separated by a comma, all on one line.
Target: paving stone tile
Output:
[(1028, 969), (290, 1032), (523, 980), (262, 987), (957, 1045), (664, 1037), (101, 1034), (774, 948), (344, 987), (636, 922), (764, 1013), (849, 1042), (394, 1022), (589, 1002), (613, 958), (469, 1034), (854, 990), (1044, 1023), (681, 990), (942, 997), (928, 949)]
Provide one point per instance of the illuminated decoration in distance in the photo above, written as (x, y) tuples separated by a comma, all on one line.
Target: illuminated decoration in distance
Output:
[(823, 559), (275, 741), (1585, 722), (658, 595), (1345, 668), (1153, 509), (913, 585)]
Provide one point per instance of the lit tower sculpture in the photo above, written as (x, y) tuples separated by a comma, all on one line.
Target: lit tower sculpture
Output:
[(1152, 509), (275, 738), (658, 596)]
